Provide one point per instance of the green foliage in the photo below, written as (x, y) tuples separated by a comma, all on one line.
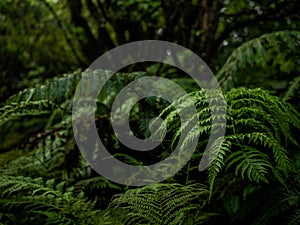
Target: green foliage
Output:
[(27, 55), (253, 177), (54, 100), (15, 111), (58, 90), (161, 203), (258, 129), (263, 62), (49, 203), (292, 89)]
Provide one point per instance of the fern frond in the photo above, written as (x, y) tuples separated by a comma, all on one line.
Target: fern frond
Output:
[(54, 202), (54, 139), (15, 111), (57, 90), (265, 108), (159, 203), (218, 152), (62, 90), (294, 86), (250, 161), (276, 48), (259, 125)]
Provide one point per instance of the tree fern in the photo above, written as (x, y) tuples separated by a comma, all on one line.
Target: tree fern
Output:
[(160, 203)]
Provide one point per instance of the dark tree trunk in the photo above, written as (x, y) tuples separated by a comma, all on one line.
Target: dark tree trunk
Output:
[(193, 26), (93, 47)]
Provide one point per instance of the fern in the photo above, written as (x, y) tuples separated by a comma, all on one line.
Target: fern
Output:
[(50, 202), (295, 218), (294, 85), (265, 56), (258, 129), (57, 95), (259, 132), (57, 90), (250, 161), (60, 91), (19, 110), (159, 203), (53, 143)]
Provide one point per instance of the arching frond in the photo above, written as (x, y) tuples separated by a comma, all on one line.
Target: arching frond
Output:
[(265, 55), (258, 129)]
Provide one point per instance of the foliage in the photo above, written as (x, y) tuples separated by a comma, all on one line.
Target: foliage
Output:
[(267, 58), (253, 176), (160, 203), (41, 39), (258, 129), (26, 200), (27, 55)]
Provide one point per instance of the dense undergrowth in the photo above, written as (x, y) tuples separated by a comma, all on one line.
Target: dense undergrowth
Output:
[(254, 178)]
